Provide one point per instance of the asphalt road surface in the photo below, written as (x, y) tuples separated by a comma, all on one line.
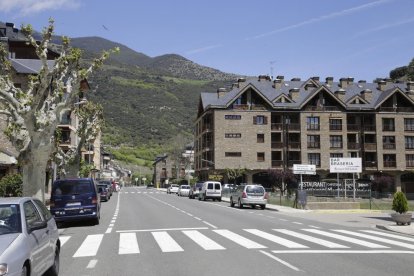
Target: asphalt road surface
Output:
[(148, 232)]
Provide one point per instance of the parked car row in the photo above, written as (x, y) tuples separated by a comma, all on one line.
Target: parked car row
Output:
[(242, 195)]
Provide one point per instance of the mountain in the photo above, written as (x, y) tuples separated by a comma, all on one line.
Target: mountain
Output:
[(147, 100)]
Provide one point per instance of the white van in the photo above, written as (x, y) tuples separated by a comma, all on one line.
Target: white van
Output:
[(210, 189)]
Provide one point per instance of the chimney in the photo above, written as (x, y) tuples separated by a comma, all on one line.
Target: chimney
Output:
[(381, 85), (410, 86), (264, 77), (340, 93), (281, 78), (315, 79), (362, 81), (239, 80), (367, 94), (277, 83), (343, 82), (221, 92), (235, 85), (295, 79), (329, 80), (294, 93)]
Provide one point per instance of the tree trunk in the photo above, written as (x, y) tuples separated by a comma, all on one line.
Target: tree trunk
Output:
[(34, 172)]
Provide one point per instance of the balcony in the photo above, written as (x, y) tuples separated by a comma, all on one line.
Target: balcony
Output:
[(369, 128), (370, 146), (322, 108), (294, 126), (292, 162), (388, 127), (354, 146), (277, 163), (390, 164), (277, 145), (277, 126), (388, 146), (370, 164), (294, 145)]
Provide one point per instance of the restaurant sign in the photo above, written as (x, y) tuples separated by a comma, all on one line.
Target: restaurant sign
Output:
[(345, 165)]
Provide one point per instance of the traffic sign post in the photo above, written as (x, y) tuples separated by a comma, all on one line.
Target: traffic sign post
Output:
[(303, 169)]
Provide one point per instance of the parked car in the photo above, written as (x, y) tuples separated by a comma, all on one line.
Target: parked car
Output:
[(104, 192), (183, 190), (29, 238), (210, 190), (249, 194), (195, 190), (108, 183), (227, 188), (173, 188), (75, 199)]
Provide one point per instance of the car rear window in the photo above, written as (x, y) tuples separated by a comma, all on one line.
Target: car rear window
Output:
[(217, 186), (254, 190), (72, 187)]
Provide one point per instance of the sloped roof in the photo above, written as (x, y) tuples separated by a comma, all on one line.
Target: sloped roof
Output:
[(29, 66)]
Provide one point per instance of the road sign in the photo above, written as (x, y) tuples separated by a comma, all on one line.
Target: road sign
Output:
[(345, 165), (304, 169)]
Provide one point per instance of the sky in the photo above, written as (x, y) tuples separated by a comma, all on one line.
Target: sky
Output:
[(364, 39)]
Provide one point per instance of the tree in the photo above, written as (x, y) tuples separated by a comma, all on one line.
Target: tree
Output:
[(234, 174), (282, 180), (34, 113)]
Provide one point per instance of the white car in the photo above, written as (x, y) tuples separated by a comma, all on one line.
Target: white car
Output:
[(183, 190), (29, 238), (173, 188)]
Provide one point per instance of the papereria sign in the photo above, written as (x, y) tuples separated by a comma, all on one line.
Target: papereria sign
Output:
[(345, 165)]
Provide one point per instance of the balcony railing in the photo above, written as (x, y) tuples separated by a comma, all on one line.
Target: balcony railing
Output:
[(390, 164), (353, 145), (388, 127), (277, 163), (314, 145), (313, 127), (370, 164), (397, 109), (293, 126), (370, 146), (294, 145), (322, 108), (409, 163), (389, 146), (369, 128), (277, 145), (277, 126), (291, 162), (336, 145)]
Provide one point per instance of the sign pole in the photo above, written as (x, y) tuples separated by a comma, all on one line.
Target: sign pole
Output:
[(353, 180), (337, 179), (301, 182)]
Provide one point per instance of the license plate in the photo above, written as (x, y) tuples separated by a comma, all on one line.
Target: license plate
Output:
[(71, 204)]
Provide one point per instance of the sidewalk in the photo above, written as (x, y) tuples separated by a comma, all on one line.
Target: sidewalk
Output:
[(352, 217)]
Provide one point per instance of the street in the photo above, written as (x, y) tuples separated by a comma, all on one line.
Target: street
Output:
[(148, 232)]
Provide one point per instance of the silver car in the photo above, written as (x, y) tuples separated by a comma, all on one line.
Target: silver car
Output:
[(29, 238), (249, 194)]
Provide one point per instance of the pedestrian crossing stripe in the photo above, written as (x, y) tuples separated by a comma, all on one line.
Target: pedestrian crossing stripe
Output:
[(128, 242)]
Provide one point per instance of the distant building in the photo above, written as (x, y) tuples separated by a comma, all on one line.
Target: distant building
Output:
[(262, 123)]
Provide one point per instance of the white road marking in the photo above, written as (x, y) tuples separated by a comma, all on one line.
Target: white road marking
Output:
[(166, 242), (311, 239), (299, 223), (389, 235), (203, 241), (209, 224), (280, 261), (197, 218), (64, 239), (276, 239), (370, 237), (249, 244), (90, 246), (163, 229), (344, 238), (128, 244), (92, 264), (342, 252)]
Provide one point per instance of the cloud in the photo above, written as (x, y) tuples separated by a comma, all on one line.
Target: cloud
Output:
[(199, 50), (322, 18), (28, 7), (385, 26)]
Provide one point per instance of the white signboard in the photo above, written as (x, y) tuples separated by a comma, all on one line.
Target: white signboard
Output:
[(304, 169), (345, 165)]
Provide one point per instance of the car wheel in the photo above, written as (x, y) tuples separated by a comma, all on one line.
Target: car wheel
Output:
[(204, 197), (219, 199), (199, 197), (263, 207), (25, 271), (240, 204), (231, 202), (54, 269)]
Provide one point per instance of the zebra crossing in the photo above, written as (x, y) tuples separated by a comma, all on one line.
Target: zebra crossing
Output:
[(277, 240), (138, 192)]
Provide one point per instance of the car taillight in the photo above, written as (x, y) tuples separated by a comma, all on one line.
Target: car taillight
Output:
[(266, 195), (94, 200), (244, 195)]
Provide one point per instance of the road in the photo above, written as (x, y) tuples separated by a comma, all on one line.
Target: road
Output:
[(147, 232)]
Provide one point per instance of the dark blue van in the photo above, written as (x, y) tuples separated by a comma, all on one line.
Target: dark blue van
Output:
[(75, 199)]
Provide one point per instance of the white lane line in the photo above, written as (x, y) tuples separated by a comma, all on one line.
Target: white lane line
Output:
[(313, 226), (166, 242), (128, 244), (203, 241), (197, 218), (209, 224), (63, 239), (92, 264), (342, 252), (299, 223), (90, 246), (249, 244), (280, 260), (370, 237), (113, 221), (283, 219), (389, 235), (275, 239), (344, 238), (163, 229), (311, 239)]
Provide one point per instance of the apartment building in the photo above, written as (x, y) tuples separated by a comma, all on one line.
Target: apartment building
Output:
[(261, 123)]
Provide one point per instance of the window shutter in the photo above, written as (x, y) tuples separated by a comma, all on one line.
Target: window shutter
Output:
[(255, 120)]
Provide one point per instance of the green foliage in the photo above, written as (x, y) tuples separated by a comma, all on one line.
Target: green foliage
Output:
[(398, 72), (141, 156), (400, 203), (85, 168), (11, 185)]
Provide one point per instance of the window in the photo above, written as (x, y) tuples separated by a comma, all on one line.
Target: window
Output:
[(336, 155), (389, 160), (312, 123), (260, 156), (335, 124), (260, 138), (232, 135), (31, 213), (232, 154), (43, 210), (314, 159), (314, 142), (388, 142), (353, 154), (259, 120), (409, 160), (409, 124), (409, 142), (232, 117), (335, 141), (388, 124)]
